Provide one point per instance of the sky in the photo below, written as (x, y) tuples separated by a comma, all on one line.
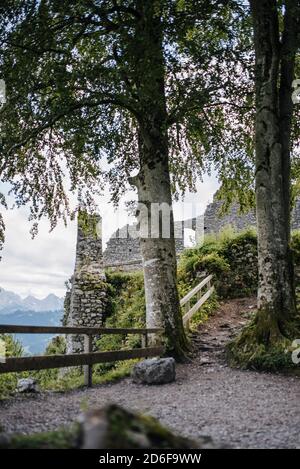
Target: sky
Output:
[(42, 265)]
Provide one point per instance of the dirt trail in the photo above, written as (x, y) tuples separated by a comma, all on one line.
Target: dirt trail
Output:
[(243, 408)]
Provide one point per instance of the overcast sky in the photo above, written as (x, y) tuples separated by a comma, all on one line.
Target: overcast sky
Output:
[(42, 265)]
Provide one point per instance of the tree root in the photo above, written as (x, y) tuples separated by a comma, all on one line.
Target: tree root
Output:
[(265, 345)]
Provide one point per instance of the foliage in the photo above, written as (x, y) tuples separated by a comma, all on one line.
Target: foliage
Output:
[(295, 246), (204, 313), (8, 381), (212, 262), (224, 255), (57, 346), (66, 438), (74, 95), (249, 351), (128, 311)]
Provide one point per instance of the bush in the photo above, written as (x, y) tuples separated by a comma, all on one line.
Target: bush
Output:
[(56, 346), (8, 381), (231, 257), (212, 263), (295, 245), (128, 310), (204, 313)]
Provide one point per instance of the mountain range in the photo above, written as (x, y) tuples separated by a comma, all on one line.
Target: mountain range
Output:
[(10, 302), (31, 311)]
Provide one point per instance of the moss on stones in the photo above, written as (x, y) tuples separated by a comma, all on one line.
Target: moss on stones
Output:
[(88, 224), (262, 346), (60, 439), (231, 257)]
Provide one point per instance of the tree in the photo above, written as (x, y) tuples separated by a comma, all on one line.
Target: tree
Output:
[(92, 78), (115, 80), (277, 320), (93, 67)]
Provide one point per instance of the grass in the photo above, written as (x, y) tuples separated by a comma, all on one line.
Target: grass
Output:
[(66, 438), (204, 313), (250, 351)]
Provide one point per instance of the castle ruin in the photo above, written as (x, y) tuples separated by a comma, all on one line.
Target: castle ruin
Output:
[(86, 301)]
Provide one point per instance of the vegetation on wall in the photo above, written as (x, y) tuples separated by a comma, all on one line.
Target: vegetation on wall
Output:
[(230, 256)]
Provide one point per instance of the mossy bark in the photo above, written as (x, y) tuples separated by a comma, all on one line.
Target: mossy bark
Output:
[(263, 346), (273, 77), (153, 181), (114, 427)]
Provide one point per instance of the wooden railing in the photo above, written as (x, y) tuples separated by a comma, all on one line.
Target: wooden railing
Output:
[(201, 298), (88, 358)]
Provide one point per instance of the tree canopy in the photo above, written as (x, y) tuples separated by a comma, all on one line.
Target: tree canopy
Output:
[(73, 102)]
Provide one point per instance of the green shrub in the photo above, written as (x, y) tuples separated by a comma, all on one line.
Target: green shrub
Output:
[(295, 245), (66, 438), (56, 346), (212, 263), (231, 257), (8, 381), (128, 310), (204, 313)]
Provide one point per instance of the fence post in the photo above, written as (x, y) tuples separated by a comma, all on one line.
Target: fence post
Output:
[(145, 340), (187, 307), (88, 369)]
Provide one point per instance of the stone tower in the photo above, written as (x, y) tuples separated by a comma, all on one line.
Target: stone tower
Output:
[(87, 300)]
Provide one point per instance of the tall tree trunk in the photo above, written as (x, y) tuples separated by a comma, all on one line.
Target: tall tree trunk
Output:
[(287, 69), (276, 299), (153, 181), (276, 320)]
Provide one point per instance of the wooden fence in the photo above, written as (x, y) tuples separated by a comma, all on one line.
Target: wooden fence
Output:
[(88, 358), (200, 297)]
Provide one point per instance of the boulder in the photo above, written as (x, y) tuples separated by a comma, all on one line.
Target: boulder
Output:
[(26, 385), (154, 371), (116, 428)]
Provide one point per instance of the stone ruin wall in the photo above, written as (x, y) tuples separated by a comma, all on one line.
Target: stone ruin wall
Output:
[(123, 249), (86, 302), (213, 222)]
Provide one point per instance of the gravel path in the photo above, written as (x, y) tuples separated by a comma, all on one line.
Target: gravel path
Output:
[(241, 408)]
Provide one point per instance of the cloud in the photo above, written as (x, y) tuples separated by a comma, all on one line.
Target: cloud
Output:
[(42, 265)]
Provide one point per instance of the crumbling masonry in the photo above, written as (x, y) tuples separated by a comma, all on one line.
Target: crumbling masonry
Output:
[(86, 302)]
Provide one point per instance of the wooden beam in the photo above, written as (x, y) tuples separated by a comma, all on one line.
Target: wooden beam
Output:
[(88, 369), (198, 305), (16, 329), (60, 361), (195, 290)]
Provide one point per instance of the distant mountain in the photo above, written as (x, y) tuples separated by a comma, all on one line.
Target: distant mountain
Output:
[(10, 302), (31, 312), (33, 343), (50, 303)]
